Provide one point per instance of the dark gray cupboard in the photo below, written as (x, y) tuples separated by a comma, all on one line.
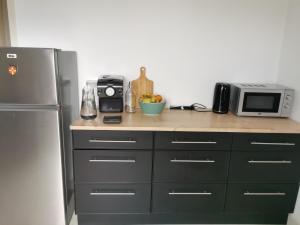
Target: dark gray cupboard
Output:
[(129, 177)]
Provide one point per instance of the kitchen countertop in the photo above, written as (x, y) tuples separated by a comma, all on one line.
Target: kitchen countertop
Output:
[(177, 120)]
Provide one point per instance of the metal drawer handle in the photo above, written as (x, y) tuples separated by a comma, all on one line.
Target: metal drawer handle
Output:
[(193, 142), (191, 161), (110, 141), (190, 193), (114, 160), (273, 143), (270, 162), (112, 194), (265, 193)]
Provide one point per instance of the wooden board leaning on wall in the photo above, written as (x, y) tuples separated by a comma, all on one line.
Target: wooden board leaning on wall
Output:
[(142, 86)]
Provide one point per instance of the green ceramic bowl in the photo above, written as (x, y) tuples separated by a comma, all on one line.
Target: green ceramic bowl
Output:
[(152, 109)]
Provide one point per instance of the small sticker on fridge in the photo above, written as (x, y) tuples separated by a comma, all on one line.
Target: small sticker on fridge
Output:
[(11, 56)]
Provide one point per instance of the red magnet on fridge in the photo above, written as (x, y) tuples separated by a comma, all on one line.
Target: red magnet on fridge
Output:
[(12, 70)]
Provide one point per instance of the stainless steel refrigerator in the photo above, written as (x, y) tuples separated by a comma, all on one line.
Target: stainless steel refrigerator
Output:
[(38, 100)]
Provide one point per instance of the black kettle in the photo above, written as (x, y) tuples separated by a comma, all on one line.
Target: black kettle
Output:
[(221, 98)]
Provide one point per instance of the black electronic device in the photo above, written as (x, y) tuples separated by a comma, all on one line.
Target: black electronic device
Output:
[(221, 98), (112, 119), (110, 93)]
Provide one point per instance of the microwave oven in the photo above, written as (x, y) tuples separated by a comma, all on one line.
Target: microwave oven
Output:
[(271, 100)]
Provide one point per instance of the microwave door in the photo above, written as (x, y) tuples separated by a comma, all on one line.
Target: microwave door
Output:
[(261, 103)]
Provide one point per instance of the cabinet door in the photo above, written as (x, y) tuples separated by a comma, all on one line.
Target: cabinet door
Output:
[(192, 141), (265, 166), (188, 198), (263, 142), (261, 198), (31, 168), (112, 198), (35, 81), (112, 166), (190, 166), (112, 140)]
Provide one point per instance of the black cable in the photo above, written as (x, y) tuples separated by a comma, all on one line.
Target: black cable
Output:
[(196, 107)]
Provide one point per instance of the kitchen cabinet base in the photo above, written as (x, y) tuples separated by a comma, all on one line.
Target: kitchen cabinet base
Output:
[(215, 218)]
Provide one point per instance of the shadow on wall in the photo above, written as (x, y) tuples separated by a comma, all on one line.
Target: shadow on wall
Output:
[(4, 27)]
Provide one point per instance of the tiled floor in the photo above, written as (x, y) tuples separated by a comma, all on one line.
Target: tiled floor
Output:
[(74, 220)]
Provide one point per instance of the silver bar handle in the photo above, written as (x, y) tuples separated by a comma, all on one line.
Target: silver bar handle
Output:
[(105, 86), (112, 193), (114, 160), (273, 143), (264, 193), (270, 161), (110, 141), (191, 161), (193, 142), (190, 193)]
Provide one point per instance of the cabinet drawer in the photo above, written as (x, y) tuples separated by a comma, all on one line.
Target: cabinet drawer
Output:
[(258, 142), (188, 198), (112, 198), (112, 140), (265, 166), (192, 141), (257, 198), (112, 166), (190, 166)]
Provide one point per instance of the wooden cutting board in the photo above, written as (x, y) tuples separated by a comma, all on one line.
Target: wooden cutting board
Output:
[(142, 85)]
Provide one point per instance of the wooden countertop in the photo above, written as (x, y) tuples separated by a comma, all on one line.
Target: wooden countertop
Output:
[(191, 121)]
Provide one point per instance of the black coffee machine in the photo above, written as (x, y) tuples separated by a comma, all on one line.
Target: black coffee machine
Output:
[(110, 93)]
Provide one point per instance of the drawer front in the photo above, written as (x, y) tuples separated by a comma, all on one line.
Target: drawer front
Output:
[(258, 198), (259, 142), (112, 198), (192, 141), (112, 140), (168, 198), (112, 166), (190, 166), (265, 166)]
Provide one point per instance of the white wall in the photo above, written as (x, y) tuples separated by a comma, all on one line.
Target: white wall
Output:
[(289, 70), (187, 45), (289, 67)]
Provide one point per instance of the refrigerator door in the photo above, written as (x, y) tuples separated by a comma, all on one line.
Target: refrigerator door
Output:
[(28, 76), (31, 186)]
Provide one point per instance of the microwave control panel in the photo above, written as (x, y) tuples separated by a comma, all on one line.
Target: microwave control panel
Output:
[(287, 102)]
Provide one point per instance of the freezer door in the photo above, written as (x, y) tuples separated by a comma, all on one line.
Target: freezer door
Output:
[(28, 76), (31, 187)]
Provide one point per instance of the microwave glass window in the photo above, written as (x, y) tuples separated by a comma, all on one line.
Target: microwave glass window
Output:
[(261, 102)]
